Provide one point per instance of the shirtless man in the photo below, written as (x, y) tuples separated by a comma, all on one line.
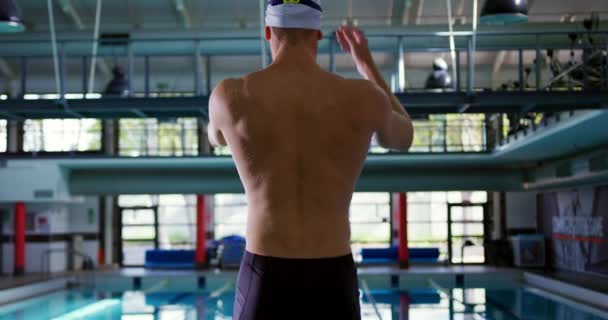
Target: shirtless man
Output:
[(299, 136)]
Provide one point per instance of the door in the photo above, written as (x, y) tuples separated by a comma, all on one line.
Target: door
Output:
[(466, 233), (139, 229)]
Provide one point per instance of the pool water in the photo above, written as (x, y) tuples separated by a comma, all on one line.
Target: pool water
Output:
[(426, 304)]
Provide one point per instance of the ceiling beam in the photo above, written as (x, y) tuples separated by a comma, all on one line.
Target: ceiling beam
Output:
[(68, 9), (6, 70), (460, 12), (184, 12), (415, 11), (499, 61), (399, 10)]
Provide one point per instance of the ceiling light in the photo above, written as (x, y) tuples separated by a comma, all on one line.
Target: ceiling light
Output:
[(504, 12), (11, 19)]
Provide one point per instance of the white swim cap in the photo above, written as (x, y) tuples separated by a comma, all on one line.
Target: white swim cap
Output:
[(303, 14)]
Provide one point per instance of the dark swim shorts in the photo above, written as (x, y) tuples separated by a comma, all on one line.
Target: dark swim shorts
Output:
[(279, 288)]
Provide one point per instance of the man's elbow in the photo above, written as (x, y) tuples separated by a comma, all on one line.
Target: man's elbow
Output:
[(402, 143), (409, 138), (217, 141)]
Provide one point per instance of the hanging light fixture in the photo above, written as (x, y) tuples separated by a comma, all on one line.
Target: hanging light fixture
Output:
[(11, 19), (504, 12)]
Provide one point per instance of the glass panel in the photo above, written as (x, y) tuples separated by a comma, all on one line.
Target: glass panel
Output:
[(467, 197), (420, 231), (465, 132), (427, 212), (230, 215), (158, 137), (176, 235), (371, 197), (369, 213), (373, 233), (134, 253), (467, 229), (467, 213), (140, 216), (176, 200), (450, 133), (224, 230), (370, 218), (3, 135), (176, 215), (138, 233), (62, 135), (137, 201), (472, 254)]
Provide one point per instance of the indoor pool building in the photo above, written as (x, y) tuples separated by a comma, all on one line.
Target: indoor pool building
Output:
[(114, 204)]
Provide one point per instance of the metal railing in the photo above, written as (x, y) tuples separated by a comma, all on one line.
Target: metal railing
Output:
[(586, 69), (466, 43)]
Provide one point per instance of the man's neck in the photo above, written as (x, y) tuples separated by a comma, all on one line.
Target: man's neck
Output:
[(297, 55)]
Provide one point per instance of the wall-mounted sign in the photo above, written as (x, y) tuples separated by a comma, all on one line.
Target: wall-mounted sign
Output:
[(577, 224)]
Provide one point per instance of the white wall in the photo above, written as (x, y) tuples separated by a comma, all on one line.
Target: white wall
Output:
[(52, 219), (521, 210)]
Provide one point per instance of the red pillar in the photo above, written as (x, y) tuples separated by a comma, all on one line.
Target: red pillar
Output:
[(404, 306), (401, 220), (201, 232), (19, 248), (101, 256)]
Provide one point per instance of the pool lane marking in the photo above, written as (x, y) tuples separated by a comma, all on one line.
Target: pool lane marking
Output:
[(217, 293), (159, 286), (368, 295), (179, 297), (446, 292), (102, 306)]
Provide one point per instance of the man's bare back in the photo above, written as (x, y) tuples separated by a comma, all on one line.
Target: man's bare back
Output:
[(299, 136)]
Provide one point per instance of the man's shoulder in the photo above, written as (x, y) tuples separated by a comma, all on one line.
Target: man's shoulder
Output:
[(229, 87), (364, 90)]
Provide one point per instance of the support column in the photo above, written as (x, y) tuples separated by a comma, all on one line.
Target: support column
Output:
[(400, 209), (204, 147), (19, 244), (404, 306), (15, 136), (200, 257), (101, 252), (110, 142)]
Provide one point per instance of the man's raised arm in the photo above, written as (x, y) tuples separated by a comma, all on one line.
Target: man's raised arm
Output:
[(396, 131)]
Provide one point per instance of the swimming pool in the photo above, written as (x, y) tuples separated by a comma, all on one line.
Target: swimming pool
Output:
[(424, 303)]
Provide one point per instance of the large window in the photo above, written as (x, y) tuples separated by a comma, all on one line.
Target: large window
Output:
[(3, 135), (450, 133), (177, 222), (229, 215), (62, 135), (428, 222), (156, 222), (158, 137), (369, 216), (446, 133)]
